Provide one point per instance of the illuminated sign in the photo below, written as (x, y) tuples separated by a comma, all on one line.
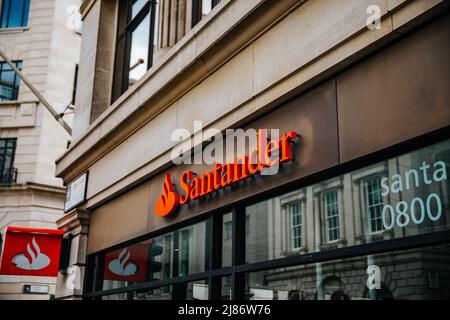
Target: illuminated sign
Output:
[(269, 153), (30, 251)]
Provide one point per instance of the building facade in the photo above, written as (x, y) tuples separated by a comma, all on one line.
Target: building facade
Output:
[(359, 94), (35, 36)]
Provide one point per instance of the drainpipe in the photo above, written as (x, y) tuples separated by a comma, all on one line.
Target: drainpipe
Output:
[(41, 98)]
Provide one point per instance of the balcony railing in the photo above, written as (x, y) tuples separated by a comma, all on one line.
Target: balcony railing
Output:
[(8, 176)]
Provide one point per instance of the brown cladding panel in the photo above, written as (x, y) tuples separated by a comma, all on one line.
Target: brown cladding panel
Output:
[(313, 115), (396, 95), (119, 220)]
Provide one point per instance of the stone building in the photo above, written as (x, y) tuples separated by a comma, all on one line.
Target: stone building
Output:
[(34, 34), (363, 85)]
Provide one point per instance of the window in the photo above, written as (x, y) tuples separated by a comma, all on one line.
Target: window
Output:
[(7, 153), (185, 236), (247, 224), (331, 215), (14, 13), (135, 42), (296, 227), (228, 230), (9, 81), (374, 204), (175, 254), (74, 88), (227, 235), (201, 8), (195, 261)]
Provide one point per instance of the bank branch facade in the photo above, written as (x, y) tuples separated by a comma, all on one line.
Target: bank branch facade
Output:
[(359, 206)]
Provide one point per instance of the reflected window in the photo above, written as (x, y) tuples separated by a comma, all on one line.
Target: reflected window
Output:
[(185, 248), (135, 43), (374, 204), (227, 237), (331, 208), (226, 287), (228, 230), (14, 13), (296, 228)]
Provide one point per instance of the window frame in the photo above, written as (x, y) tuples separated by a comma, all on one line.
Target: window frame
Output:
[(336, 216)]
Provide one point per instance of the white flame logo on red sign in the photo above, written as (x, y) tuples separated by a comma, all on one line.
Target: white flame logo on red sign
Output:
[(31, 259), (123, 266)]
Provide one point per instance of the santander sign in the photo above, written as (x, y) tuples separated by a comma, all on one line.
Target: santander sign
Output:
[(269, 153)]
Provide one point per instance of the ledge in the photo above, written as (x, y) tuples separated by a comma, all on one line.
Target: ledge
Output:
[(32, 186), (4, 31)]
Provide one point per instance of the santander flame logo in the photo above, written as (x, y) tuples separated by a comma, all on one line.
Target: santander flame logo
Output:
[(123, 266), (32, 259), (169, 200)]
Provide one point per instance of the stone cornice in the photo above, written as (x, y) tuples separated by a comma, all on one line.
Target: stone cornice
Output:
[(31, 186)]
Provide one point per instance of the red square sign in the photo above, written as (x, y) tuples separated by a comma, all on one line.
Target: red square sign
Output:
[(31, 252)]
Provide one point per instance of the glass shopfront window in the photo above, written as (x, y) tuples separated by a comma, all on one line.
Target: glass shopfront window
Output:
[(175, 254), (422, 273), (378, 232), (227, 238), (404, 196)]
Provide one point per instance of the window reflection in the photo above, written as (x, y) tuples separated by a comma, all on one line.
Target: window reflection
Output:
[(136, 6), (197, 290), (413, 274), (227, 239), (331, 215), (139, 51), (403, 196), (176, 254)]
